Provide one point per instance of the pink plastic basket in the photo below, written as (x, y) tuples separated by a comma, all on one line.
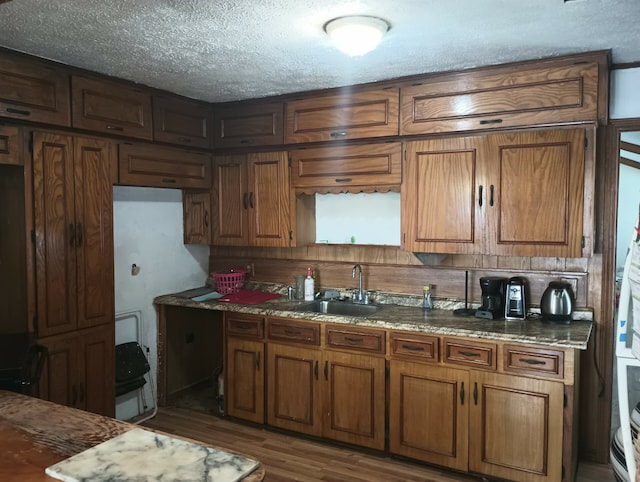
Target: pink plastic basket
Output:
[(229, 282)]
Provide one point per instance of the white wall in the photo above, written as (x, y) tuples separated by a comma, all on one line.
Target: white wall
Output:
[(624, 99), (148, 232)]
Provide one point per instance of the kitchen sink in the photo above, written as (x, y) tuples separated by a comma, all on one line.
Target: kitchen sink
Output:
[(337, 308)]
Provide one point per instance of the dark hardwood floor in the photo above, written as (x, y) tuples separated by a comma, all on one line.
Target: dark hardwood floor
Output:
[(290, 458)]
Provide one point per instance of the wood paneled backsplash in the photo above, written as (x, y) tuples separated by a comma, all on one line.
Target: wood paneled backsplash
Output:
[(388, 268)]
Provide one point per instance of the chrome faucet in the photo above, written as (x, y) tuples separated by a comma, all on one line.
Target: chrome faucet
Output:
[(359, 296)]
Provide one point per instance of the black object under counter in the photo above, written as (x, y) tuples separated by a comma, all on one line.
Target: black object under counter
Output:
[(21, 362)]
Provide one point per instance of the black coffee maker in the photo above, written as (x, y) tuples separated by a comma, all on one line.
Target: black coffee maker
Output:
[(493, 290)]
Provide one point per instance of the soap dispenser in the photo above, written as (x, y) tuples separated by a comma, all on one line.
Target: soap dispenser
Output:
[(309, 288)]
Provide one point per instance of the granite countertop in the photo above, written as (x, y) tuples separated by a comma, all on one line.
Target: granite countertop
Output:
[(439, 321)]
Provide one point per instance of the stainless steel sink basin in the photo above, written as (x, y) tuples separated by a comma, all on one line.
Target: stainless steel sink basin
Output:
[(337, 308)]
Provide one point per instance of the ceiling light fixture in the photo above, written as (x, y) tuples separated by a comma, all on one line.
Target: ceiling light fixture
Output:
[(355, 35)]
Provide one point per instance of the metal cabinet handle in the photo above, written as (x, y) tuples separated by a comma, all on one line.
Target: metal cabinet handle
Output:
[(185, 139), (169, 180), (338, 134), (344, 179), (251, 199), (491, 195), (530, 361), (72, 235), (79, 236), (470, 354), (480, 195), (114, 128), (354, 339), (315, 369), (290, 332), (244, 326), (326, 370), (413, 347), (206, 219), (247, 141), (462, 393), (490, 121), (11, 110), (475, 393)]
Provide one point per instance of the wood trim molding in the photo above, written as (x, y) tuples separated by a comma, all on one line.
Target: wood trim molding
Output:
[(628, 146), (629, 162)]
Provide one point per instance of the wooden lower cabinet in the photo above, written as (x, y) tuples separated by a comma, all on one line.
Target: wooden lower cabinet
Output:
[(515, 428), (79, 371), (294, 397), (354, 399), (245, 375), (428, 413)]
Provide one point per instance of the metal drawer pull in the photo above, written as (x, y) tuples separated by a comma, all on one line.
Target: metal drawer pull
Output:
[(462, 393), (354, 339), (251, 199), (290, 332), (10, 110), (470, 353), (315, 369), (344, 179), (491, 195), (413, 347), (326, 370), (246, 141), (475, 393), (338, 134), (168, 180), (530, 361), (480, 196), (244, 326), (114, 128), (206, 219), (490, 121)]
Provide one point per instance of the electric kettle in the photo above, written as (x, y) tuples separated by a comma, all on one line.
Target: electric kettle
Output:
[(556, 305)]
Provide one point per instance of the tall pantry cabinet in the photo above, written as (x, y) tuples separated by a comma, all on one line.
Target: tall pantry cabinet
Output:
[(73, 236)]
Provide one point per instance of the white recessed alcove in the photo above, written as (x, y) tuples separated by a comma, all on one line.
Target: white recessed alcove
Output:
[(362, 218)]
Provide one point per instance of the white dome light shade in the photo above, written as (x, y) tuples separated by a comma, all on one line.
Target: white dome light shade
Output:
[(356, 35)]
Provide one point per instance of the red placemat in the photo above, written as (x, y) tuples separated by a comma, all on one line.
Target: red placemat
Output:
[(248, 297)]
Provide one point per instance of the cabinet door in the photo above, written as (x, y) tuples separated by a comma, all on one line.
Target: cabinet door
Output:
[(428, 413), (57, 382), (354, 399), (230, 201), (516, 427), (93, 159), (110, 107), (499, 98), (248, 125), (158, 166), (244, 370), (55, 230), (535, 193), (34, 91), (10, 145), (181, 121), (441, 212), (368, 165), (269, 197), (95, 380), (196, 215), (344, 116), (294, 399)]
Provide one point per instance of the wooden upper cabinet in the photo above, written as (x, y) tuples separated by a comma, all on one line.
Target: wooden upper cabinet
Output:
[(246, 125), (181, 121), (344, 166), (440, 212), (512, 194), (159, 166), (344, 116), (10, 145), (230, 201), (110, 107), (501, 97), (196, 208), (34, 91)]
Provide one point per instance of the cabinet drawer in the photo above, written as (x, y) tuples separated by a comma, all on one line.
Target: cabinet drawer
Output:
[(33, 91), (104, 106), (355, 339), (249, 125), (293, 331), (423, 347), (348, 116), (463, 352), (535, 361), (368, 165), (181, 121), (500, 98), (158, 166), (247, 326)]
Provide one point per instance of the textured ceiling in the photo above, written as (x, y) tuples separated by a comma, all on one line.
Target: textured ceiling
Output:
[(220, 50)]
